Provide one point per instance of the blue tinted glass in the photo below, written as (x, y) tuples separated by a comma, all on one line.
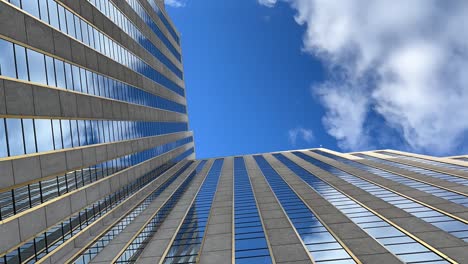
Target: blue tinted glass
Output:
[(21, 66), (16, 3), (60, 74), (44, 135), (7, 59), (29, 136), (15, 136), (57, 130), (44, 11), (50, 67), (70, 24), (53, 13), (66, 133), (62, 17), (76, 78), (31, 7), (3, 139), (36, 64)]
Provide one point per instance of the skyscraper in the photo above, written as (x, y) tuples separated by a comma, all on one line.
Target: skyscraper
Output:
[(97, 163)]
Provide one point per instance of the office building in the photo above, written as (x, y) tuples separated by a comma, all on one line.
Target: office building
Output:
[(97, 162)]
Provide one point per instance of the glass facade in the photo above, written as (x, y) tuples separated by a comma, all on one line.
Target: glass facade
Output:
[(431, 173), (428, 188), (188, 241), (250, 241)]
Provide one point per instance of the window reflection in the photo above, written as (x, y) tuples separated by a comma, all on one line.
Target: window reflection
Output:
[(7, 59), (36, 67), (29, 136), (15, 136), (44, 134), (21, 66), (3, 140)]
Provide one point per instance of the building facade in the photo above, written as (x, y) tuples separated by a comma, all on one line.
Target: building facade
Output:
[(97, 163)]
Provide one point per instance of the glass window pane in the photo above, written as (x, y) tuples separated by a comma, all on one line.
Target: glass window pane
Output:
[(68, 76), (29, 136), (78, 28), (62, 17), (44, 11), (70, 24), (22, 68), (31, 7), (57, 130), (44, 135), (15, 136), (7, 59), (50, 71), (60, 74), (36, 67), (53, 13), (3, 140), (74, 133), (76, 78), (66, 133)]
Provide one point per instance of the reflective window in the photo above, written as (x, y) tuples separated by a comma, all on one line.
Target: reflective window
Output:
[(430, 173), (46, 70), (3, 139), (426, 161), (29, 136), (21, 65), (439, 192), (249, 246), (53, 14), (15, 136), (44, 135), (375, 226), (36, 64), (36, 248), (31, 7), (44, 11), (320, 243), (187, 243), (7, 59), (411, 206)]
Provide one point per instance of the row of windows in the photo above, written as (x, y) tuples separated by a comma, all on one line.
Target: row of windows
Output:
[(44, 243), (20, 136), (323, 247), (22, 198), (251, 246), (119, 19), (187, 243), (140, 10), (396, 242), (426, 161), (67, 22), (448, 224), (439, 192), (164, 20), (94, 249), (138, 244), (26, 64), (427, 172)]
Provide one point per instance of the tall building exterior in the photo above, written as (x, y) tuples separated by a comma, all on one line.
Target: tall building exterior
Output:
[(97, 163)]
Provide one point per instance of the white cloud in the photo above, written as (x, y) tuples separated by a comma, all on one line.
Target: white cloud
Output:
[(175, 3), (403, 60), (302, 133), (267, 3)]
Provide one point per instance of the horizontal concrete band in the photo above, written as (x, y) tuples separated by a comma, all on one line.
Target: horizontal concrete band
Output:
[(40, 218), (23, 99), (419, 196), (89, 235), (21, 170), (25, 29), (93, 16), (217, 245), (463, 174), (286, 245), (351, 236), (163, 239), (421, 230)]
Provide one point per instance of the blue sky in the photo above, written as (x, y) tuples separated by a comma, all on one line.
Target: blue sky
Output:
[(263, 79)]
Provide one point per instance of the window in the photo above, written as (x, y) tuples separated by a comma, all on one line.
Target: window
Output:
[(3, 139), (44, 135), (36, 64), (15, 136), (53, 13), (21, 66), (44, 11), (7, 59), (31, 7), (29, 136), (60, 74), (50, 71)]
